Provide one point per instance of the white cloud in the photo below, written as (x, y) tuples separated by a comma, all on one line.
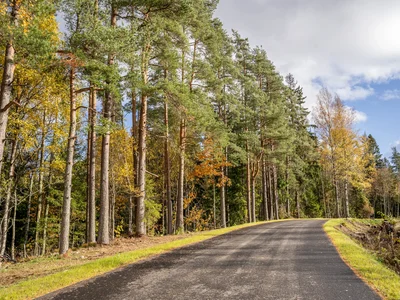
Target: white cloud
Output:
[(354, 93), (344, 45), (390, 95), (360, 116)]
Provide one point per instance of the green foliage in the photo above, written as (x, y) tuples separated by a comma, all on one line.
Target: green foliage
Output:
[(152, 208)]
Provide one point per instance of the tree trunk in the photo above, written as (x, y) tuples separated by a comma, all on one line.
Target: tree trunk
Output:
[(13, 225), (179, 205), (103, 235), (112, 206), (248, 187), (104, 226), (130, 216), (222, 196), (10, 186), (275, 188), (253, 199), (270, 193), (326, 207), (46, 217), (46, 212), (28, 214), (66, 209), (142, 151), (167, 169), (337, 198), (140, 206), (346, 194), (226, 187), (133, 198), (88, 168), (41, 192), (287, 186), (91, 234), (264, 191), (298, 205), (214, 207), (135, 135), (6, 83)]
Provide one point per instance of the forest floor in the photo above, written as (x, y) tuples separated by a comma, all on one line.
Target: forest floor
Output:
[(41, 266), (381, 237)]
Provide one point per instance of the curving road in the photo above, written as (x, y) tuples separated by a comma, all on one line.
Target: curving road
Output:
[(283, 260)]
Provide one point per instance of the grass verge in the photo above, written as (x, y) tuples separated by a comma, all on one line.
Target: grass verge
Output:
[(36, 287), (365, 264)]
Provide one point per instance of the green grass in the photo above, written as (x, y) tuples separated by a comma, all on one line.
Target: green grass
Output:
[(36, 287), (365, 264)]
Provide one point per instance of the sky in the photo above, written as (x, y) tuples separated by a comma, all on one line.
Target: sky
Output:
[(352, 47)]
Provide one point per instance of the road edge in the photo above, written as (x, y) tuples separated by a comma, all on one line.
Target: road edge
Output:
[(363, 263)]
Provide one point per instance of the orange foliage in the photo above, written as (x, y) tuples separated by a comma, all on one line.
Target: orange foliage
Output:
[(211, 162)]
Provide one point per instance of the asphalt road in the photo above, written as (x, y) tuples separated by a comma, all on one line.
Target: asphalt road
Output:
[(284, 260)]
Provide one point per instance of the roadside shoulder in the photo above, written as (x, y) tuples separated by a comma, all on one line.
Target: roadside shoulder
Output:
[(366, 265)]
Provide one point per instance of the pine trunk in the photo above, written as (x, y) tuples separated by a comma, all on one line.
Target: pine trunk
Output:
[(103, 235), (89, 112), (130, 216), (248, 187), (270, 193), (179, 205), (275, 188), (222, 196), (133, 198), (264, 191), (337, 198), (287, 187), (41, 192), (226, 188), (112, 206), (167, 170), (326, 207), (140, 206), (66, 209), (346, 194), (47, 207), (91, 234), (46, 218), (10, 186), (104, 226), (28, 214), (5, 100), (253, 199), (214, 208), (6, 84), (13, 225)]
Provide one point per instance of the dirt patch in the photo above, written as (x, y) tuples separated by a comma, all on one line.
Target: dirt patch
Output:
[(41, 266), (380, 237)]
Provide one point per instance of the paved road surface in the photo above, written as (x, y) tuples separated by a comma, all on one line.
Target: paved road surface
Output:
[(284, 260)]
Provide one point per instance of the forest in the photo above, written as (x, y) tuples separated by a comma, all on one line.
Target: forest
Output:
[(146, 117)]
